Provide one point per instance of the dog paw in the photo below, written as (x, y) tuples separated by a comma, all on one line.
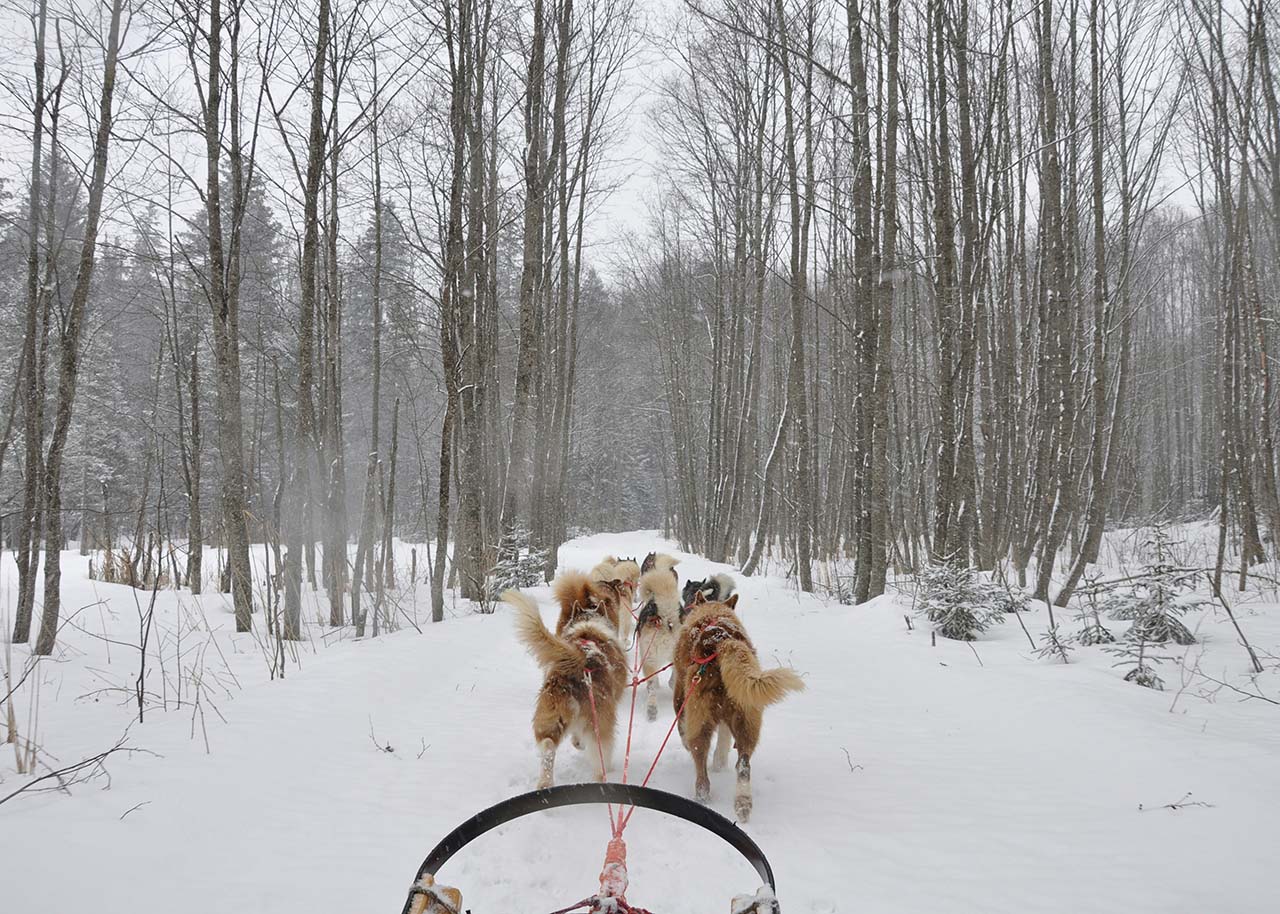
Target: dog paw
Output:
[(742, 808), (702, 792), (651, 712), (718, 764)]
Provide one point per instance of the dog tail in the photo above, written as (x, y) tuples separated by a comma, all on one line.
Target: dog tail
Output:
[(665, 562), (545, 647), (724, 586), (572, 588), (748, 685), (659, 583)]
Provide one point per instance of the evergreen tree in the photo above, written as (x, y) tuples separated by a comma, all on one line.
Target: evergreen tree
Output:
[(960, 603)]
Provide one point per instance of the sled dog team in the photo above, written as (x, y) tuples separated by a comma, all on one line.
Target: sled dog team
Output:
[(718, 687)]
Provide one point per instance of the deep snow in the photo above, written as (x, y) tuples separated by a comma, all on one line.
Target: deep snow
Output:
[(908, 778)]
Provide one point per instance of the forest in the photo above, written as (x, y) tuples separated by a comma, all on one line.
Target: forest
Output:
[(915, 283), (838, 435)]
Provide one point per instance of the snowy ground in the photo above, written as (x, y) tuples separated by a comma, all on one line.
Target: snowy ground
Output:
[(907, 778)]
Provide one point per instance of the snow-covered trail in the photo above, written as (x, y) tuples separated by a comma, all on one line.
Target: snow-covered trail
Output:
[(907, 778)]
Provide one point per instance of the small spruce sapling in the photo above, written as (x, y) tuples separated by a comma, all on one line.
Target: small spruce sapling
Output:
[(1054, 646), (960, 604), (1137, 654), (1094, 632), (521, 566), (1152, 600), (842, 590)]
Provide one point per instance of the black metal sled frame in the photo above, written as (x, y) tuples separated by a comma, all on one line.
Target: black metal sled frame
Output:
[(585, 794)]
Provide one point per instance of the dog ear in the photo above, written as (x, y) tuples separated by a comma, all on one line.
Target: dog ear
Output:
[(649, 561), (732, 601), (699, 597)]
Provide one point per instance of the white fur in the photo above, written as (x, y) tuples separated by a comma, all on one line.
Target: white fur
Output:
[(724, 739), (547, 757), (742, 792), (658, 642)]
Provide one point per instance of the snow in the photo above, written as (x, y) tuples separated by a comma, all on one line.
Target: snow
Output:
[(908, 777)]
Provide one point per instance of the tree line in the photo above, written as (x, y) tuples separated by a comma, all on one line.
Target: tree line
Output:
[(965, 283), (292, 280), (922, 281)]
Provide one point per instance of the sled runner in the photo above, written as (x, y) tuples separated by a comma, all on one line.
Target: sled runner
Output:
[(426, 897)]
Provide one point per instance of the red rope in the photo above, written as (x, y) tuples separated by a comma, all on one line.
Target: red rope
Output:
[(635, 686), (619, 823), (693, 684), (595, 725), (638, 682), (639, 664)]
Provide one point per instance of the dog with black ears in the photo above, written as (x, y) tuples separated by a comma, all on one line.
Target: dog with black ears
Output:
[(715, 589), (721, 691), (659, 560)]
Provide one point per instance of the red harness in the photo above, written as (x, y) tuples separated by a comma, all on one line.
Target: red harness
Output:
[(708, 625)]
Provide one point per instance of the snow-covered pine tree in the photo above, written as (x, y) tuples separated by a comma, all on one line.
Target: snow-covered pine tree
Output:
[(1152, 600), (842, 590), (960, 603), (1094, 632), (1138, 654), (519, 565)]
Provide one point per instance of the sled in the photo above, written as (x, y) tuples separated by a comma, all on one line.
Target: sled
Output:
[(427, 897)]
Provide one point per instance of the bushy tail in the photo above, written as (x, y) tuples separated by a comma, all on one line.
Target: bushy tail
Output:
[(545, 647), (665, 562), (724, 586), (659, 584), (572, 587), (749, 686)]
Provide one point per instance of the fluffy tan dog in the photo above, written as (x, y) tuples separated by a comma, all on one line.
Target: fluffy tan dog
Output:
[(579, 596), (626, 572), (604, 569), (582, 661), (717, 669)]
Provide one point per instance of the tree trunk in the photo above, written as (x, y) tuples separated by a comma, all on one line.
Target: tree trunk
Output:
[(69, 347)]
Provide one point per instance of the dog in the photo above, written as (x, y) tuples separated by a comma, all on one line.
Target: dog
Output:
[(723, 692), (659, 560), (627, 572), (581, 597), (582, 662), (604, 568), (657, 627), (612, 566), (715, 589)]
